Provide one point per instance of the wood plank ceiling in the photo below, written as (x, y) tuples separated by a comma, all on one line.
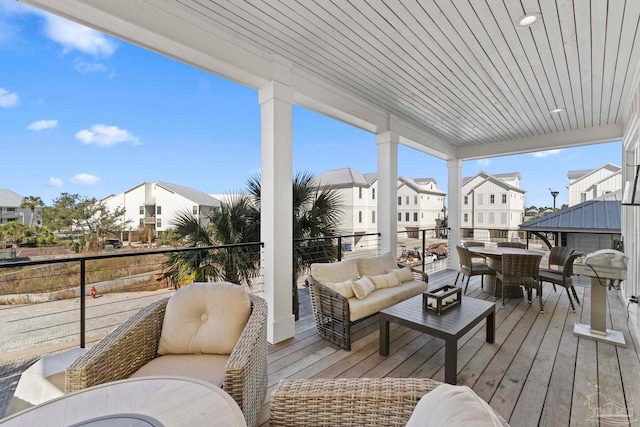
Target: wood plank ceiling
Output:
[(460, 69)]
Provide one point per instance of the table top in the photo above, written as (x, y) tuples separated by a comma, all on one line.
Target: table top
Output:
[(455, 322), (162, 401), (499, 251)]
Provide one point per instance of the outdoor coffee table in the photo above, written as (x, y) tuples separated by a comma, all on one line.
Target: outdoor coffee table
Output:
[(449, 326)]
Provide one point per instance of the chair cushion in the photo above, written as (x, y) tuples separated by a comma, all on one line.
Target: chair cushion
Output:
[(383, 298), (383, 281), (453, 406), (206, 367), (343, 288), (363, 287), (377, 265), (204, 318), (335, 272), (403, 274)]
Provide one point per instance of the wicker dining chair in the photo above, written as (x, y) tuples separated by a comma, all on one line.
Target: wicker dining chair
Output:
[(472, 243), (469, 268), (521, 270), (557, 256), (512, 245), (562, 277)]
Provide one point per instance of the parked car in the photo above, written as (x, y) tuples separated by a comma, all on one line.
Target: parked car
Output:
[(116, 243)]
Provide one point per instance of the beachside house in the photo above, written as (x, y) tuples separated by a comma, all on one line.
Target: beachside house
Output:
[(591, 183)]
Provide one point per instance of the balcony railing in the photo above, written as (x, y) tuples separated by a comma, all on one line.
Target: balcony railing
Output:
[(149, 219)]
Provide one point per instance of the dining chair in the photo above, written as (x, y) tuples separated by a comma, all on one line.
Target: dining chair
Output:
[(512, 245), (557, 256), (562, 277), (469, 268), (521, 270), (472, 243)]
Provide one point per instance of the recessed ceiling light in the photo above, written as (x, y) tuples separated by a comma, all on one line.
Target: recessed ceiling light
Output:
[(528, 20), (556, 110)]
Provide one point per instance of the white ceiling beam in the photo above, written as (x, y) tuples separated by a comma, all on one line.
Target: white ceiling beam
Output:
[(574, 138)]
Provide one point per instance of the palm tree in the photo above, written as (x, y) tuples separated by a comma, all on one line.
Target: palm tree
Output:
[(32, 202)]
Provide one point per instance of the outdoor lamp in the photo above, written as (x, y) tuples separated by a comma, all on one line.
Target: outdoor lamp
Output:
[(630, 194)]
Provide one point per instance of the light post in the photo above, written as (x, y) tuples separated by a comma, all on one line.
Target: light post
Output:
[(554, 194)]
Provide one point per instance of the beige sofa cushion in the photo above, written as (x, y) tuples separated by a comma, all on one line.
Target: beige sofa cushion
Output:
[(343, 288), (204, 318), (363, 287), (383, 281), (383, 298), (206, 367), (335, 272), (403, 274), (377, 265), (453, 406)]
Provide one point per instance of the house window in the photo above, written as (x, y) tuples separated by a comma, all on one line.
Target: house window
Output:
[(504, 198), (480, 218), (466, 217), (399, 217), (480, 201), (406, 216), (360, 217), (373, 217), (141, 210), (195, 210), (407, 200), (422, 215), (158, 223), (399, 200), (159, 210), (141, 222), (503, 218), (466, 200), (492, 199), (11, 209), (373, 193), (415, 200), (415, 216), (492, 218), (583, 197), (360, 193)]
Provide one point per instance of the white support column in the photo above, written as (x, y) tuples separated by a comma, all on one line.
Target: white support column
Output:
[(454, 197), (276, 230), (387, 143)]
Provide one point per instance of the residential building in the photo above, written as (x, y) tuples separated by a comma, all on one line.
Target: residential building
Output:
[(10, 209), (491, 203), (157, 203), (421, 204), (591, 183)]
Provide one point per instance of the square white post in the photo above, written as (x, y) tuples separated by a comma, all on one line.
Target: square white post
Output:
[(387, 143), (454, 186), (276, 228)]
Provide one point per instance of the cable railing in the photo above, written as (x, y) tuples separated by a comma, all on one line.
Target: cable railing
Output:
[(425, 248), (493, 236)]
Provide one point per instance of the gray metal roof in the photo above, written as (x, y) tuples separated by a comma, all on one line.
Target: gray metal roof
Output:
[(579, 174), (341, 178), (201, 198), (497, 178), (599, 215), (371, 177), (10, 199), (420, 186)]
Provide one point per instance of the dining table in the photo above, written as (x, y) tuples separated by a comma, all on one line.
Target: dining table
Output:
[(494, 255)]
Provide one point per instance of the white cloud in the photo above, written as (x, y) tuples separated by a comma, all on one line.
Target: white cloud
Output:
[(85, 67), (8, 99), (55, 182), (74, 36), (43, 124), (105, 136), (85, 179), (484, 162), (547, 153)]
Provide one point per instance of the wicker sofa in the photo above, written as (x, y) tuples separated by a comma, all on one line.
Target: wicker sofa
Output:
[(376, 402), (127, 350), (336, 311)]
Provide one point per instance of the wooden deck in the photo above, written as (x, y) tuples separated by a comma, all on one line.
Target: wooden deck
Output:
[(537, 373)]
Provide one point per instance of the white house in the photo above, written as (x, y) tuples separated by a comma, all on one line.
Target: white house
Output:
[(10, 209), (591, 183), (157, 203), (492, 202), (420, 203)]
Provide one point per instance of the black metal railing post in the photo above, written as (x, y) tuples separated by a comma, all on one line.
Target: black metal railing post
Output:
[(423, 248), (83, 308), (339, 248)]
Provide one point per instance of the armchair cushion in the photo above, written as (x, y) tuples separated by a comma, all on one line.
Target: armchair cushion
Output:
[(204, 318), (383, 298), (206, 367), (453, 406), (389, 280), (335, 272), (377, 265)]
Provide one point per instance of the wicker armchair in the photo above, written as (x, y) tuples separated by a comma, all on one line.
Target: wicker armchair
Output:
[(348, 401), (562, 277), (469, 268), (511, 245), (521, 270), (471, 244), (557, 256), (331, 310), (135, 342)]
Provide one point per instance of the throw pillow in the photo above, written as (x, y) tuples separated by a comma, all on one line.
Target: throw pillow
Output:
[(343, 288), (403, 274), (334, 272), (204, 318), (363, 287), (450, 405), (374, 266), (388, 280)]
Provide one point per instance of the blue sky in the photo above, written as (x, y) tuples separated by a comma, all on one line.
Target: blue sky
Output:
[(82, 112)]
